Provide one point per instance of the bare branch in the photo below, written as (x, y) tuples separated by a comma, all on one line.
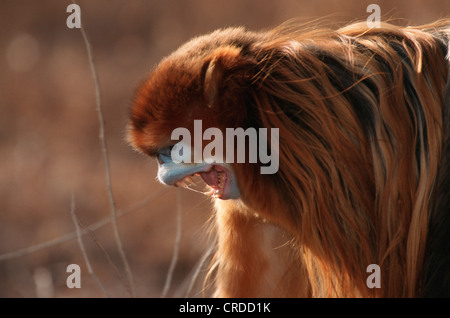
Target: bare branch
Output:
[(106, 160), (97, 242), (83, 250), (71, 236)]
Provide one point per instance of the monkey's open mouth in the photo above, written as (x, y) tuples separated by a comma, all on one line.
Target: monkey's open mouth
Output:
[(216, 180), (213, 182)]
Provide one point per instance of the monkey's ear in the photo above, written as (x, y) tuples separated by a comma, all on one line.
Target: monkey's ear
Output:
[(215, 69)]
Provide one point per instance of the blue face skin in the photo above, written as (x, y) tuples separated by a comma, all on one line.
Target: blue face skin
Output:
[(170, 172)]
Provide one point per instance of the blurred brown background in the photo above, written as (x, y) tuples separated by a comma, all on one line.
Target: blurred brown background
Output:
[(49, 146)]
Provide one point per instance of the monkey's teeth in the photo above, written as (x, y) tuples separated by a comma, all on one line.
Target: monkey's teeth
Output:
[(221, 179), (197, 184), (181, 184), (215, 193), (218, 192), (194, 183), (189, 180)]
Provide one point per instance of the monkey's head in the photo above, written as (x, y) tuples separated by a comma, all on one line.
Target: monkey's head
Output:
[(204, 81)]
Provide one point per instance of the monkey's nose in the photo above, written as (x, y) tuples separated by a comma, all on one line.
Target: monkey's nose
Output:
[(164, 155)]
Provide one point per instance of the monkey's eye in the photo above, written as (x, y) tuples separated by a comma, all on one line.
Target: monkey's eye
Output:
[(163, 154)]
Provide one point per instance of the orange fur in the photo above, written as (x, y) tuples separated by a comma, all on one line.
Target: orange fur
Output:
[(360, 113)]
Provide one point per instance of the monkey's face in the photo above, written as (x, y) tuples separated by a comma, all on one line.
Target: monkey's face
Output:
[(200, 83)]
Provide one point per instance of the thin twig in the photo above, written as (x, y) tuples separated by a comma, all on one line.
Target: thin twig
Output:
[(176, 246), (106, 160), (199, 267), (83, 250), (97, 242), (73, 235)]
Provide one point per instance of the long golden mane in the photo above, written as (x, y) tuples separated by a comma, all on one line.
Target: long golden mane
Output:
[(360, 113)]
